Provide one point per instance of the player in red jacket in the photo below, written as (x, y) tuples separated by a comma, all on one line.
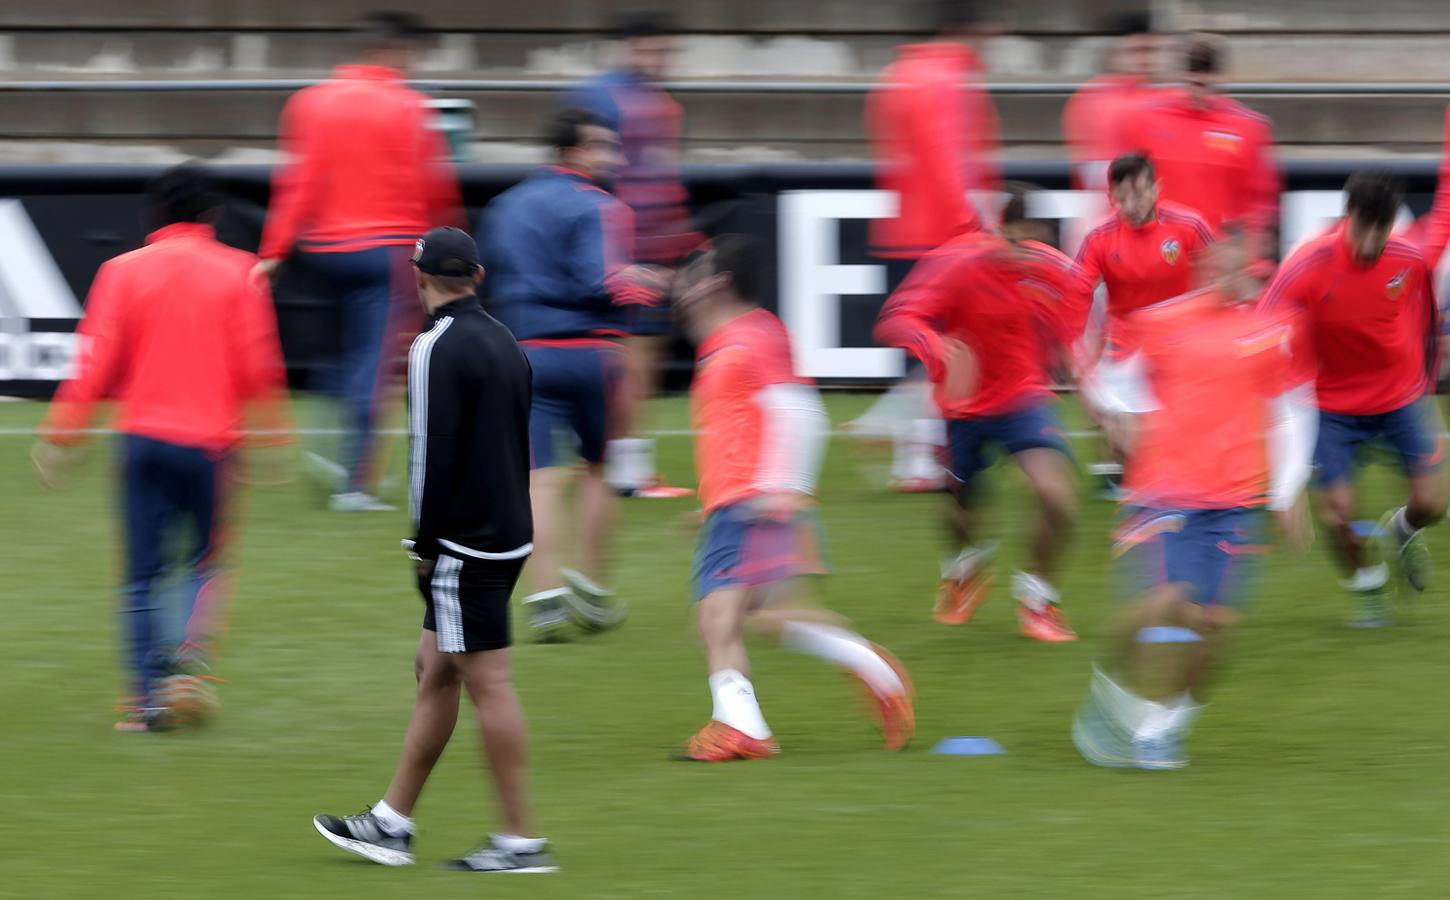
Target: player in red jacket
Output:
[(1212, 154), (1142, 254), (979, 313), (936, 137), (1095, 119), (181, 335), (366, 176), (1370, 346)]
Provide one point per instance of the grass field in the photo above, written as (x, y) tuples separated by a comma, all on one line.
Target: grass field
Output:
[(1319, 770)]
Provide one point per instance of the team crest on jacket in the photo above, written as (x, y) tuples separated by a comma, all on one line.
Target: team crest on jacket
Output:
[(1171, 251), (1395, 287)]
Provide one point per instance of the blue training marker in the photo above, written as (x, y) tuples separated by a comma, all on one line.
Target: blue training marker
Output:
[(1167, 634), (1366, 529), (968, 746)]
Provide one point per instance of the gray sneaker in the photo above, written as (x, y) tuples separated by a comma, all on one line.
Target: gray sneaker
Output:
[(593, 607), (1158, 754), (548, 620), (493, 858), (1374, 610), (364, 835), (1099, 740), (357, 501)]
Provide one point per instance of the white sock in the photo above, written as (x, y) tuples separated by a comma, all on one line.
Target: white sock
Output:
[(1033, 592), (845, 649), (629, 463), (513, 843), (1369, 578), (393, 822), (1400, 527), (735, 704), (550, 594), (968, 561), (1164, 719)]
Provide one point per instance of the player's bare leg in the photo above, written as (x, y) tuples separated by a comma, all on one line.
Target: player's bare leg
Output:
[(547, 593), (966, 576), (435, 714), (591, 604), (737, 729), (1039, 613), (488, 676), (783, 614), (1401, 528), (1366, 578)]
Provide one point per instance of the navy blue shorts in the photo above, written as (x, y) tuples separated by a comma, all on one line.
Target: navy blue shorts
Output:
[(574, 393), (1411, 432), (970, 442), (1214, 552), (738, 548)]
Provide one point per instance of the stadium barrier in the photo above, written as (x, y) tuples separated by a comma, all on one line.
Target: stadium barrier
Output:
[(59, 223)]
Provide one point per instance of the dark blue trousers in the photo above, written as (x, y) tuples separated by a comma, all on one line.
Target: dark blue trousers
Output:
[(169, 493), (375, 289)]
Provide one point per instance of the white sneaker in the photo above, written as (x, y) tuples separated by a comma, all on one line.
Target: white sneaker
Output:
[(357, 501)]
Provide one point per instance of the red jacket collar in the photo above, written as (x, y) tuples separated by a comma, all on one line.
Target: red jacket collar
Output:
[(182, 229), (367, 72)]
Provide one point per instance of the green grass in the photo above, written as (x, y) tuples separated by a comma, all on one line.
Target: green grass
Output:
[(1319, 770)]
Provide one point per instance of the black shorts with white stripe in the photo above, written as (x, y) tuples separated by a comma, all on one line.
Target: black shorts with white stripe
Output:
[(467, 602)]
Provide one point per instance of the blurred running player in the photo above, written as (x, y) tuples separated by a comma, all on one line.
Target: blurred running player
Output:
[(936, 141), (366, 176), (1142, 255), (936, 137), (558, 248), (762, 433), (1369, 346), (1212, 154), (1221, 434), (1094, 121), (976, 312), (630, 100), (182, 335)]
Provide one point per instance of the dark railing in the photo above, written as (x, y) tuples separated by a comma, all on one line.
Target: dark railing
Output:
[(500, 85)]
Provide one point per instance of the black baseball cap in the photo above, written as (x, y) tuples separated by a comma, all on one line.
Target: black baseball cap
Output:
[(446, 252)]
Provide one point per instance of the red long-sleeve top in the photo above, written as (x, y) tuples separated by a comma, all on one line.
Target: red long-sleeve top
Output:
[(364, 168), (184, 338)]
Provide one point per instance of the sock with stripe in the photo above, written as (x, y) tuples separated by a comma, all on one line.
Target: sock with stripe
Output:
[(843, 648), (735, 704)]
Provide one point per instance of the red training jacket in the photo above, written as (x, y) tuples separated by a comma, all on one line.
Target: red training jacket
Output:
[(183, 337), (1216, 158), (1094, 123), (1005, 303), (936, 139), (365, 169)]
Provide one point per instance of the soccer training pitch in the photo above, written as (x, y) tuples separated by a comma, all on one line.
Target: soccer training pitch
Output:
[(1319, 770)]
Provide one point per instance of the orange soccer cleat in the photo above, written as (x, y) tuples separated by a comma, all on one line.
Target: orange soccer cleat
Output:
[(1049, 625), (957, 599), (894, 714), (718, 742)]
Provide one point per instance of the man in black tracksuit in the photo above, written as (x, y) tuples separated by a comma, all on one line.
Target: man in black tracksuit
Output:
[(468, 407)]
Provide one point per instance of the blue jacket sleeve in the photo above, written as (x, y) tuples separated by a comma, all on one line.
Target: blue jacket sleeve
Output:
[(603, 247)]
